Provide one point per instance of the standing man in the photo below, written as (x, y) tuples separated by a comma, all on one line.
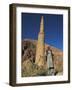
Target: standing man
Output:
[(50, 62)]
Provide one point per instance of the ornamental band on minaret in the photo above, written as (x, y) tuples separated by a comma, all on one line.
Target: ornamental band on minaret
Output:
[(40, 49)]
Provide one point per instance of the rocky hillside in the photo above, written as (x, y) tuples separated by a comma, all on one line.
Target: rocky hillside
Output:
[(29, 52)]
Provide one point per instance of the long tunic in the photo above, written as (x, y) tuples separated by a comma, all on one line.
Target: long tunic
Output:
[(50, 64), (49, 60)]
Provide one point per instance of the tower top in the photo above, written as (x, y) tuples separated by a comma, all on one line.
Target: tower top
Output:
[(42, 25)]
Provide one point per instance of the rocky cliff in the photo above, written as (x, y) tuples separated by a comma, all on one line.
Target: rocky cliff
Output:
[(28, 59)]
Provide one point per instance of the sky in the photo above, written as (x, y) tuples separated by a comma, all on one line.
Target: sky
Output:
[(53, 28)]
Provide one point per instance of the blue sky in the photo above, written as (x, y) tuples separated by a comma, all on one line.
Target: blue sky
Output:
[(53, 27)]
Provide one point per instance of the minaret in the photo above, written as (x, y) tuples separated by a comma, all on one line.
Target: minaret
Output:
[(40, 49)]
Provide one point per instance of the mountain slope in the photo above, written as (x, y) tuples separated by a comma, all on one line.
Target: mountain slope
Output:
[(29, 52)]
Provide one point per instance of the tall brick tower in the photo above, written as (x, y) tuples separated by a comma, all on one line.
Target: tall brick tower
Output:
[(40, 49)]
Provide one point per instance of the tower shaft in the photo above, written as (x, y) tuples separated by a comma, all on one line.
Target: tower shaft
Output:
[(40, 45)]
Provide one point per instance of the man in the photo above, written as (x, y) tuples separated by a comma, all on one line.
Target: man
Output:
[(50, 63)]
